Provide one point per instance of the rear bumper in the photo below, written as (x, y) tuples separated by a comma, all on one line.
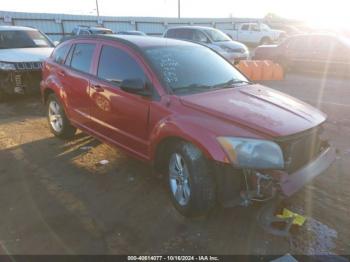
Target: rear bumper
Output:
[(291, 183)]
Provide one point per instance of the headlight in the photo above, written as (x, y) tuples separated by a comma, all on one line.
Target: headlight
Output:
[(226, 49), (7, 66), (252, 153), (241, 50)]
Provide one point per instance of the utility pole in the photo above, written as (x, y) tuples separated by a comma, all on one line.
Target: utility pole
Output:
[(98, 12), (178, 8)]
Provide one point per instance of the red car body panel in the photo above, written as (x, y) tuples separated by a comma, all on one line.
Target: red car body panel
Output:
[(140, 124)]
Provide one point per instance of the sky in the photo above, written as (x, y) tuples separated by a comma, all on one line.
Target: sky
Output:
[(318, 12)]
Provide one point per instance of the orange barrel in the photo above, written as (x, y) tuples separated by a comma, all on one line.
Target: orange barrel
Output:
[(267, 70), (244, 67), (256, 67), (278, 72)]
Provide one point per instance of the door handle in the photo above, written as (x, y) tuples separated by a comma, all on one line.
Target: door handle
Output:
[(97, 88), (61, 73)]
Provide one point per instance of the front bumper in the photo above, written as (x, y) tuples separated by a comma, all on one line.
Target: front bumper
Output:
[(20, 81), (291, 183)]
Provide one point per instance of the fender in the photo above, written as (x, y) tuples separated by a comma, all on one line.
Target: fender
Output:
[(53, 84), (187, 128)]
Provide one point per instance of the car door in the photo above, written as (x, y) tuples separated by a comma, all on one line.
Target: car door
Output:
[(328, 54), (119, 116), (244, 33), (299, 53), (255, 34), (76, 81)]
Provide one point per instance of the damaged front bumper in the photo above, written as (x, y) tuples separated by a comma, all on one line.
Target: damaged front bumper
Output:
[(25, 79), (291, 183)]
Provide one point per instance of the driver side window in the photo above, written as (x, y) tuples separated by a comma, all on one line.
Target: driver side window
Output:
[(116, 65), (199, 36)]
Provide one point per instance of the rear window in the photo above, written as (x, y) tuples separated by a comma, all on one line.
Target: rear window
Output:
[(82, 57), (245, 27), (180, 33), (300, 43)]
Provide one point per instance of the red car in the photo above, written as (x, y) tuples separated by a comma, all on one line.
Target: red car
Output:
[(190, 114)]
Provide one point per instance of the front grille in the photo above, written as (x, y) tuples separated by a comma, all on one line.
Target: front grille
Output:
[(28, 66), (300, 149)]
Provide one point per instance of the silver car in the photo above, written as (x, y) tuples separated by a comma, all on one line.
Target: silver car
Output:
[(212, 38)]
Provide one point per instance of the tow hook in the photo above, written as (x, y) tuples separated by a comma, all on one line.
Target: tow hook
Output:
[(275, 224)]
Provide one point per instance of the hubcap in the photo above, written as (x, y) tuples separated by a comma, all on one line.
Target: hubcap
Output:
[(179, 179), (55, 116)]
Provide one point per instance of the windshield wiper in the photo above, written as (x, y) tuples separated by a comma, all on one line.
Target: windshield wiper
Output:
[(231, 83), (192, 87)]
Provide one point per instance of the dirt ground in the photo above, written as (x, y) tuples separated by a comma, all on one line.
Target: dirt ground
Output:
[(56, 199)]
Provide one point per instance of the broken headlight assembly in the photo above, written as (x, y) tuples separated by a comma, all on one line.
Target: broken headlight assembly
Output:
[(7, 66), (252, 153)]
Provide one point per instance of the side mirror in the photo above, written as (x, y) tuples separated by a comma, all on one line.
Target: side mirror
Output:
[(135, 86)]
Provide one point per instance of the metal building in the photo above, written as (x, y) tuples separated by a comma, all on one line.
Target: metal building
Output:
[(58, 25)]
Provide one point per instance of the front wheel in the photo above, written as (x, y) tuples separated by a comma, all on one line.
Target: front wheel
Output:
[(265, 41), (58, 121), (191, 184)]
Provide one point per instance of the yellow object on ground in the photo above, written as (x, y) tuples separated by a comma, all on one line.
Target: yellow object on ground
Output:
[(298, 219)]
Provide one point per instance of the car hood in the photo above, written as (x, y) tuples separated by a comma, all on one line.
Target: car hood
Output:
[(259, 108), (16, 55)]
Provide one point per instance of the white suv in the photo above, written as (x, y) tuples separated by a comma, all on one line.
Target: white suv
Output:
[(22, 50)]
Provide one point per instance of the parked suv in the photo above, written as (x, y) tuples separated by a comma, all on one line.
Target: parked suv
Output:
[(212, 38), (190, 114), (22, 50), (91, 30), (324, 53)]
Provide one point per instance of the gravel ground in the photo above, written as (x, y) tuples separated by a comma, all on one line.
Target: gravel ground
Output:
[(56, 199)]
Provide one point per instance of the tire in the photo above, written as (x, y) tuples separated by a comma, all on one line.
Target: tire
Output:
[(195, 193), (56, 114), (265, 41)]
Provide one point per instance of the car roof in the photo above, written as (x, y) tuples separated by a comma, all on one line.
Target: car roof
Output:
[(137, 41), (193, 27), (16, 28)]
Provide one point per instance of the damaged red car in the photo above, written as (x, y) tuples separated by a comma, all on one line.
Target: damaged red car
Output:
[(188, 112)]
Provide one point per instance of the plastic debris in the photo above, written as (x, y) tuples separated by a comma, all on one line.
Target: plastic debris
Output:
[(298, 220), (103, 162)]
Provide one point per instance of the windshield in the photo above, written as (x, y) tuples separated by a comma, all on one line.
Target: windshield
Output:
[(23, 39), (264, 27), (191, 69), (216, 35)]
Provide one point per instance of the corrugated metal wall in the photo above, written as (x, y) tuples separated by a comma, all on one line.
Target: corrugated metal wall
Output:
[(57, 25)]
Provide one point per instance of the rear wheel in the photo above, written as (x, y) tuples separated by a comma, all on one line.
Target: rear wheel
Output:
[(58, 121), (191, 186)]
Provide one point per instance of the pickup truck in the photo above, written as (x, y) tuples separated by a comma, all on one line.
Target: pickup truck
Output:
[(255, 33)]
